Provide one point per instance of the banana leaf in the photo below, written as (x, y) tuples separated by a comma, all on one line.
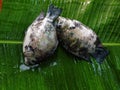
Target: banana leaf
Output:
[(62, 71)]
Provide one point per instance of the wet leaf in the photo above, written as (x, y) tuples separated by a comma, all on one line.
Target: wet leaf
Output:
[(62, 71)]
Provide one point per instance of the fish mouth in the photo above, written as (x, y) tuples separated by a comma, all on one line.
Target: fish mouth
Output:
[(29, 61), (58, 26)]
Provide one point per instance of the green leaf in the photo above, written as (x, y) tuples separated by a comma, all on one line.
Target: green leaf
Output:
[(62, 71)]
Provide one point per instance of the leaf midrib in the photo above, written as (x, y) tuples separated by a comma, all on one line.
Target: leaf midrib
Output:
[(20, 42)]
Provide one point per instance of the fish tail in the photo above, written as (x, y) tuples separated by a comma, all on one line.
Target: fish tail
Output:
[(53, 12), (100, 52)]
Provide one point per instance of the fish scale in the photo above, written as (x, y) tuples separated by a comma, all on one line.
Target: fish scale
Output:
[(41, 39), (83, 42)]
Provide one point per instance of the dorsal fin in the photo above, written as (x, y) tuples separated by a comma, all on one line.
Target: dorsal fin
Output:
[(41, 16)]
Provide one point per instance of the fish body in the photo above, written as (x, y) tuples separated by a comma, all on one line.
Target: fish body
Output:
[(41, 40), (80, 40)]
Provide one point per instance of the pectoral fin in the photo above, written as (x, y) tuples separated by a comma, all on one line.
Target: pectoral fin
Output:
[(83, 53), (86, 57)]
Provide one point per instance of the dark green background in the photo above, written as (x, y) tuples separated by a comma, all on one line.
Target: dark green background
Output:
[(62, 71)]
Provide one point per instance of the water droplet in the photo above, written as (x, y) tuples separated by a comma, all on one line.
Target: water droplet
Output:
[(94, 68), (23, 67), (53, 64)]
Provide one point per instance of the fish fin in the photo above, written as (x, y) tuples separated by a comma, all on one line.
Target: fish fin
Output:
[(41, 16), (76, 23), (86, 57), (100, 54), (83, 53), (53, 12)]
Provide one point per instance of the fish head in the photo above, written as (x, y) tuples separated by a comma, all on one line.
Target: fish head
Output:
[(29, 56), (64, 23), (30, 61)]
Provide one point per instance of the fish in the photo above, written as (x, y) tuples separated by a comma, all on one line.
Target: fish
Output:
[(80, 40), (40, 40)]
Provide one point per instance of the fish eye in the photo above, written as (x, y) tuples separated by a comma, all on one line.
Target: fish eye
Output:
[(60, 22), (73, 27)]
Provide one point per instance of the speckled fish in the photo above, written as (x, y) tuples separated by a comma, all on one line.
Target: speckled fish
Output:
[(80, 40), (41, 40)]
